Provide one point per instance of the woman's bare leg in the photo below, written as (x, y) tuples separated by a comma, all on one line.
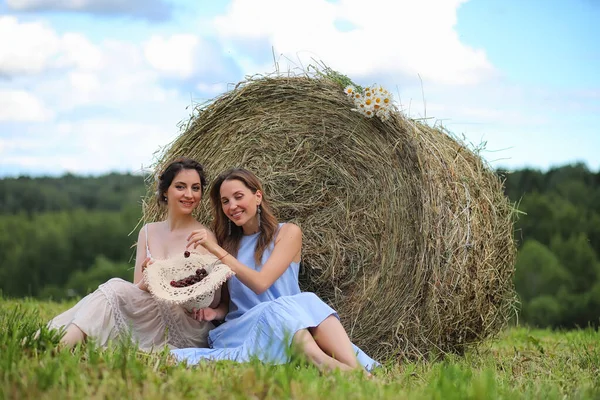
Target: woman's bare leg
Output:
[(332, 338), (304, 341), (73, 336)]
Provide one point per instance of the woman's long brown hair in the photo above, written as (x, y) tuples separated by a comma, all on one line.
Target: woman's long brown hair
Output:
[(268, 222)]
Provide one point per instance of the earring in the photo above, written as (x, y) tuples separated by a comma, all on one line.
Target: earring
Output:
[(258, 212), (229, 228), (166, 200)]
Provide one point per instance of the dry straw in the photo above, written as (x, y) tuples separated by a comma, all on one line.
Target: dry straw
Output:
[(407, 232)]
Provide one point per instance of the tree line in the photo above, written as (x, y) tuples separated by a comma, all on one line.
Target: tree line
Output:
[(557, 273), (109, 192), (61, 237)]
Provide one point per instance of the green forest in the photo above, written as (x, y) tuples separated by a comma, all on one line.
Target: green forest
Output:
[(61, 237)]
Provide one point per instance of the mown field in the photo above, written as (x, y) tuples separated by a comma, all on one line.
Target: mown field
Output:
[(519, 364)]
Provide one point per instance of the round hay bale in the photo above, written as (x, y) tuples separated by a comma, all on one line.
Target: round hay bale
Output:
[(407, 233)]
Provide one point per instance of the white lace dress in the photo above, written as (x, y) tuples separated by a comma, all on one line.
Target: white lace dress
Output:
[(119, 309)]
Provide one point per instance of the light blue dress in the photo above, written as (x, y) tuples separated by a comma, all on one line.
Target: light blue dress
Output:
[(262, 326)]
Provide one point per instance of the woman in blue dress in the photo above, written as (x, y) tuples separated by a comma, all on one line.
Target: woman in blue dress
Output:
[(266, 312)]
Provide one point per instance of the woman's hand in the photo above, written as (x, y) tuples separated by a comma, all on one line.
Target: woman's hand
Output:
[(204, 314), (142, 284), (203, 237), (147, 262)]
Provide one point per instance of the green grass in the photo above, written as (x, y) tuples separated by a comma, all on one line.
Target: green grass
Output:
[(519, 364)]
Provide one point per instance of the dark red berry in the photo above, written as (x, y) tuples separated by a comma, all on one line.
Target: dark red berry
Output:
[(186, 254), (173, 283)]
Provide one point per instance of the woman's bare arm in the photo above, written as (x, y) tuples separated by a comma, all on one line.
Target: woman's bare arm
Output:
[(140, 256), (287, 248)]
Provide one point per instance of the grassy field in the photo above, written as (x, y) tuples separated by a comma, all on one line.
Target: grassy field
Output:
[(520, 363)]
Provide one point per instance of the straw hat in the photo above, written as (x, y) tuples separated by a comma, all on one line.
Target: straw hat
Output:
[(161, 273)]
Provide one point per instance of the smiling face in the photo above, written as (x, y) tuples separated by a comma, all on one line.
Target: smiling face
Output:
[(185, 192), (240, 205)]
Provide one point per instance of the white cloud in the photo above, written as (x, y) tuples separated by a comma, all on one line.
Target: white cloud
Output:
[(109, 109), (32, 47), (111, 144), (94, 145), (172, 56), (19, 105), (27, 48), (113, 75), (79, 52), (389, 36), (149, 9), (190, 58), (18, 144)]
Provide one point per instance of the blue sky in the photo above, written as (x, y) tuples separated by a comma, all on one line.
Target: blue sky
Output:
[(92, 86)]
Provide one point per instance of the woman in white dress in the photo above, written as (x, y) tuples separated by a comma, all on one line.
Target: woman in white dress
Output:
[(119, 309)]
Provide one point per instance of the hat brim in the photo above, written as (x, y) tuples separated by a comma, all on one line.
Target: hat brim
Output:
[(160, 273)]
